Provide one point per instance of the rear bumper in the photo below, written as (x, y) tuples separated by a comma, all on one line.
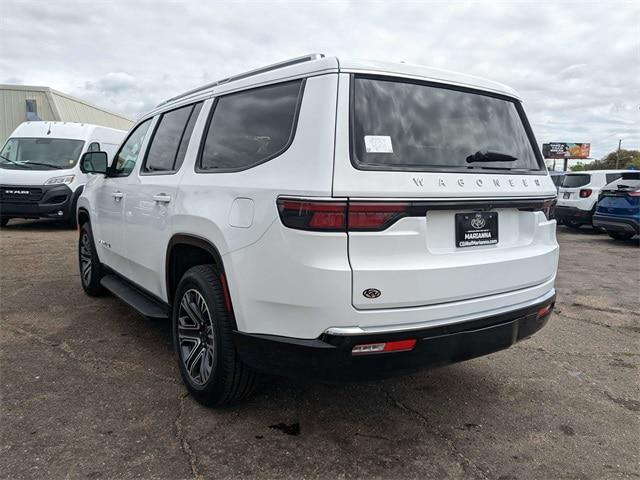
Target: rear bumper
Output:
[(328, 358), (573, 213), (616, 224), (55, 201)]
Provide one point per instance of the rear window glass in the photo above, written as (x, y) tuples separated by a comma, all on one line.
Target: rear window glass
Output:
[(408, 126), (610, 177), (575, 181), (250, 127)]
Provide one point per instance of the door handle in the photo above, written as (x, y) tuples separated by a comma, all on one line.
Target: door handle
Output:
[(117, 196), (162, 198)]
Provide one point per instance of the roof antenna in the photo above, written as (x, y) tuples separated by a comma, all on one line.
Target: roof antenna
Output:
[(49, 131)]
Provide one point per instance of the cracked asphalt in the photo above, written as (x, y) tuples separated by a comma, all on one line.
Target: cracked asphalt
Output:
[(89, 389)]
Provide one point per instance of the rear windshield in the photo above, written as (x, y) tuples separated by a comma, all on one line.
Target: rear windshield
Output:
[(40, 153), (627, 182), (408, 126), (575, 181)]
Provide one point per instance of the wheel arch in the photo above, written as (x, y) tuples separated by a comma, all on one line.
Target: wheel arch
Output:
[(185, 251), (83, 216)]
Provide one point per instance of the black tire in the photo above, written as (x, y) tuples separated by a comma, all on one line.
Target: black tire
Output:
[(4, 221), (620, 235), (88, 262), (572, 224), (202, 333)]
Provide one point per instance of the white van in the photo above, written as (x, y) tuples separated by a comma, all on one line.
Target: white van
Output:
[(39, 172), (329, 219), (578, 195)]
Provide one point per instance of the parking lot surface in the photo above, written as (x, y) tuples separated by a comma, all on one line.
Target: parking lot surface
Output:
[(90, 389)]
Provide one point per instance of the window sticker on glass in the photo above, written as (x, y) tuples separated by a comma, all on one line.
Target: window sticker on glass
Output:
[(378, 144)]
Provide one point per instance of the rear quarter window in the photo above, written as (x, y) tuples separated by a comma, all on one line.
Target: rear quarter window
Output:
[(577, 180), (250, 127)]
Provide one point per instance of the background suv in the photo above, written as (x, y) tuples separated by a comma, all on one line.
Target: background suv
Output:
[(618, 210), (578, 195), (329, 219)]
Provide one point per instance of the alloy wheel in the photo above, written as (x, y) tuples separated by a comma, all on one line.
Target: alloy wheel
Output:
[(196, 338), (85, 259)]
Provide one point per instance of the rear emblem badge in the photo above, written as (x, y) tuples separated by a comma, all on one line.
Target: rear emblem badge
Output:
[(372, 293), (478, 222)]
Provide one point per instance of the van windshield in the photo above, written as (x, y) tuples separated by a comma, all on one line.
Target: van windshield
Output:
[(40, 153), (399, 125)]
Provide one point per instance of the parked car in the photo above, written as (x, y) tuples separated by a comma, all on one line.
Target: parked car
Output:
[(578, 195), (618, 210), (557, 178), (39, 172), (325, 219)]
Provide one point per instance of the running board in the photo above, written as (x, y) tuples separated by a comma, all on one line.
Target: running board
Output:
[(144, 304)]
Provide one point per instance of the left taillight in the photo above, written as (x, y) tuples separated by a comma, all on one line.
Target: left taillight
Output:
[(339, 216), (549, 208), (316, 216)]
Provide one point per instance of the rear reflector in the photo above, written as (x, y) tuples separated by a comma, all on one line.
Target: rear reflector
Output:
[(371, 348), (544, 311)]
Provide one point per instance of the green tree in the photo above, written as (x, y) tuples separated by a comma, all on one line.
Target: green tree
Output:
[(625, 159)]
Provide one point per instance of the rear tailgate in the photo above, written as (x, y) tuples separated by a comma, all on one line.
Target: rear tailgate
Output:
[(416, 255)]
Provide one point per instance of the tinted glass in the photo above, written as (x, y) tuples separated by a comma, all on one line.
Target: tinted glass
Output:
[(250, 127), (411, 126), (557, 179), (186, 136), (128, 155), (167, 140), (610, 177), (575, 181), (40, 153), (94, 147)]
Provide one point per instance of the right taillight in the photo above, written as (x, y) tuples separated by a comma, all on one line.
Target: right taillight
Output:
[(549, 208), (585, 192), (635, 193)]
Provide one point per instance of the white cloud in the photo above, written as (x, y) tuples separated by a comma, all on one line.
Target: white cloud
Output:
[(577, 65)]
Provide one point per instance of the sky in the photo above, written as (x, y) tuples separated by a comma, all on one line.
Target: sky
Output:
[(575, 64)]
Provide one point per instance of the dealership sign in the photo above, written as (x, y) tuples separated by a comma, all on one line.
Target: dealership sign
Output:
[(566, 150)]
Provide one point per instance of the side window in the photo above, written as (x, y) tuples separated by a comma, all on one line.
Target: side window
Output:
[(610, 177), (126, 158), (93, 147), (250, 127), (170, 139)]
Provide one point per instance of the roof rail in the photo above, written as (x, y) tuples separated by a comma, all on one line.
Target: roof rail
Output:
[(286, 63)]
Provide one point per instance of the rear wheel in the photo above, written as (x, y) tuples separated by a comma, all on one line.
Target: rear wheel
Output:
[(620, 235), (202, 337), (90, 267)]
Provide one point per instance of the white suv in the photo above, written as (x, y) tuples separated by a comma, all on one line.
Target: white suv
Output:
[(578, 195), (328, 219)]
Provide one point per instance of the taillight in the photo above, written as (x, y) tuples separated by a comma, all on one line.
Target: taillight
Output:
[(319, 216), (339, 216), (374, 216), (549, 208), (585, 192), (635, 193)]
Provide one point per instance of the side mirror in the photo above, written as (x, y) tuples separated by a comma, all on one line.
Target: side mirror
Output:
[(94, 162)]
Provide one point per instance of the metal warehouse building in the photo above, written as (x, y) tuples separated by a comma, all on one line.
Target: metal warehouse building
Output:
[(19, 103)]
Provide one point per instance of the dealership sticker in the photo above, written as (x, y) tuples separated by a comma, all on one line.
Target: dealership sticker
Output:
[(378, 144)]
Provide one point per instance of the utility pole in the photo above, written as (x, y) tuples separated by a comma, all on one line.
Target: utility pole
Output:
[(618, 153)]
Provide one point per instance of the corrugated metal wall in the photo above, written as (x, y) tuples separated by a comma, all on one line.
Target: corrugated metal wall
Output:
[(71, 110), (13, 109), (51, 105)]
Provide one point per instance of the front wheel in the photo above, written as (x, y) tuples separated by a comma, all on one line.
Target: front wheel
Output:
[(202, 337), (620, 235), (90, 267)]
